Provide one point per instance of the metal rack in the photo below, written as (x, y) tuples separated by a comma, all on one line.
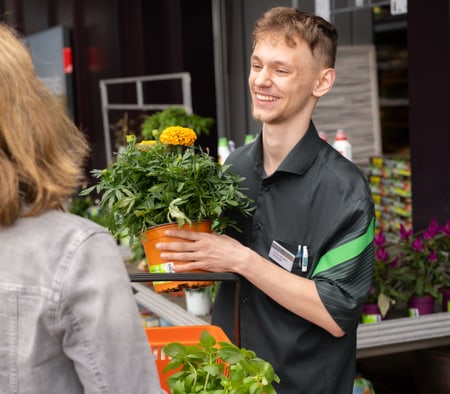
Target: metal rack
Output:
[(203, 276), (140, 104)]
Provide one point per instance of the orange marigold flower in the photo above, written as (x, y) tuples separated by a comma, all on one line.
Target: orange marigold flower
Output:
[(177, 135)]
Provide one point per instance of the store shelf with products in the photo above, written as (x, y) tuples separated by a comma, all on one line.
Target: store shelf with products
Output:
[(390, 183)]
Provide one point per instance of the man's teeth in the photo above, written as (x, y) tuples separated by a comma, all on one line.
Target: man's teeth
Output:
[(265, 98)]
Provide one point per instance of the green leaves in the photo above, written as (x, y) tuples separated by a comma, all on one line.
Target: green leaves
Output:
[(157, 184), (217, 368), (175, 116)]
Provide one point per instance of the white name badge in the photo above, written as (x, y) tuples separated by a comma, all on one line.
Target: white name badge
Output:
[(281, 256)]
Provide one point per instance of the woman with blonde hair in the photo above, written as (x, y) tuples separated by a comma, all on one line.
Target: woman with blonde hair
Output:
[(68, 319)]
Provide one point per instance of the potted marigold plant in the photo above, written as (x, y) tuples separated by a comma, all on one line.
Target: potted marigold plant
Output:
[(167, 180)]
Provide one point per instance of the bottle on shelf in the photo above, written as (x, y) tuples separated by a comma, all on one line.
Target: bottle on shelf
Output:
[(323, 136), (248, 138), (342, 145), (223, 150)]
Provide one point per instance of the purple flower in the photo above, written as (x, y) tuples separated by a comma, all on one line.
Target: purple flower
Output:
[(394, 262), (418, 245), (432, 230), (432, 258), (403, 233), (379, 239), (382, 255), (446, 229)]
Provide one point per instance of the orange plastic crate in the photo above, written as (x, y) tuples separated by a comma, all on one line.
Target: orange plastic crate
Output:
[(158, 337)]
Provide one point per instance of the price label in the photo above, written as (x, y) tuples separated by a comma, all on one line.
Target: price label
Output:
[(399, 7)]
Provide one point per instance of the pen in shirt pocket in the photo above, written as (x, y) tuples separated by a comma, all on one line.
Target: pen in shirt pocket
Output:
[(305, 258), (298, 256)]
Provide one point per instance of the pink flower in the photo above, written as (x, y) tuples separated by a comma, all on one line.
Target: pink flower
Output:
[(446, 229), (394, 262), (432, 257), (432, 230), (403, 233), (418, 245), (379, 239), (382, 255)]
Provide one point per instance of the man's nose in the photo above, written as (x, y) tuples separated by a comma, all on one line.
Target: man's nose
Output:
[(263, 77)]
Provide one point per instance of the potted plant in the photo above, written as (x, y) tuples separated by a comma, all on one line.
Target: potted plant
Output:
[(439, 239), (386, 288), (85, 207), (198, 300), (421, 263), (167, 180), (217, 367), (175, 116)]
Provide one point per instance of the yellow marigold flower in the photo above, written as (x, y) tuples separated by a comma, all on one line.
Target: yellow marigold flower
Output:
[(177, 135), (146, 144)]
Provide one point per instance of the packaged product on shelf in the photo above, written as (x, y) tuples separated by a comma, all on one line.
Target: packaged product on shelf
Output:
[(390, 182)]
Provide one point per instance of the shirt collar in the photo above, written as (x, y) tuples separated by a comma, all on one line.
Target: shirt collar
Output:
[(298, 160)]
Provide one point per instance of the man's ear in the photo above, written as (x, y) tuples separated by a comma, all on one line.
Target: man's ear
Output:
[(325, 82)]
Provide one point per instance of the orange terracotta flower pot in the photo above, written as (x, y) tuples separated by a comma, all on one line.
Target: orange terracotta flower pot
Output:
[(156, 265)]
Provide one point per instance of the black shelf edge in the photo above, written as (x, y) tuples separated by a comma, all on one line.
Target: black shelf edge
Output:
[(202, 276)]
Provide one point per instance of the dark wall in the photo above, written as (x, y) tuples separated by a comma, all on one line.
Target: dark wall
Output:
[(178, 38), (124, 38), (429, 119)]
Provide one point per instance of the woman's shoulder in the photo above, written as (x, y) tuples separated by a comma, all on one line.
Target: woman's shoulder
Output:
[(57, 224)]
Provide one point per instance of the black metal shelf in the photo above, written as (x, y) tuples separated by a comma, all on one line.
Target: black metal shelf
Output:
[(199, 276), (148, 277)]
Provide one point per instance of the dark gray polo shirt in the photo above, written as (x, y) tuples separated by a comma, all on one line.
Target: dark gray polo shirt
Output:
[(317, 199)]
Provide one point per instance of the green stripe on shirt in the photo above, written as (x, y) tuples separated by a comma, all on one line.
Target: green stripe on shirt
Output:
[(345, 252)]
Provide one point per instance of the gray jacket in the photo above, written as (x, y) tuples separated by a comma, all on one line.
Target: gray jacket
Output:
[(69, 323)]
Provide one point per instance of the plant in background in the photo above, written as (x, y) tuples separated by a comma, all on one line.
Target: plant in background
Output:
[(422, 260), (85, 207), (175, 116), (415, 265), (438, 239), (167, 180), (386, 288), (121, 129), (223, 369)]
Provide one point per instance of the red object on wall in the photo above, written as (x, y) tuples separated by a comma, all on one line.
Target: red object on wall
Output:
[(67, 60), (94, 59)]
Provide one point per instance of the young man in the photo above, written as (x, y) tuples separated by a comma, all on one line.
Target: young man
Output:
[(306, 254)]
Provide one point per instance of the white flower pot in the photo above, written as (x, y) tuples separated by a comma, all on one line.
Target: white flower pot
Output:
[(198, 302)]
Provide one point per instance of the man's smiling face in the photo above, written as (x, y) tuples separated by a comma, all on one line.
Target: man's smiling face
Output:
[(281, 79)]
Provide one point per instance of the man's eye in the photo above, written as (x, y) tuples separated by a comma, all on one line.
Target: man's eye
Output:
[(256, 67), (281, 71)]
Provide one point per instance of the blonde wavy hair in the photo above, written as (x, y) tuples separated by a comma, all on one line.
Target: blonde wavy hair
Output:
[(42, 152), (290, 23)]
